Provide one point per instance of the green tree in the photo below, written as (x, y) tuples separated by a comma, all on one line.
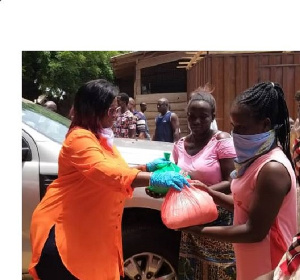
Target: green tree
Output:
[(34, 71), (57, 73)]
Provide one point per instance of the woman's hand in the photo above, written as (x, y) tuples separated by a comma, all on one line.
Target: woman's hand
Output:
[(157, 164), (169, 179), (154, 194), (198, 184)]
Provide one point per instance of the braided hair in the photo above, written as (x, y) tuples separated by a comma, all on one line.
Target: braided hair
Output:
[(266, 100)]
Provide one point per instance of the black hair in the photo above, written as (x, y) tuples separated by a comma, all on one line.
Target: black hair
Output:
[(203, 94), (266, 100), (91, 103), (124, 97)]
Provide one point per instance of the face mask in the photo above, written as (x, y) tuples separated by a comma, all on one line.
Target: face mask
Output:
[(108, 134), (250, 147)]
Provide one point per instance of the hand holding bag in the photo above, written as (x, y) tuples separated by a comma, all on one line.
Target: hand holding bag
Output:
[(158, 192), (192, 206)]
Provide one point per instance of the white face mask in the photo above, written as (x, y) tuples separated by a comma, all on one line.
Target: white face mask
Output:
[(108, 134)]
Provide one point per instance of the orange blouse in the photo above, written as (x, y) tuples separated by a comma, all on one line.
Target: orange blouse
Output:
[(85, 203)]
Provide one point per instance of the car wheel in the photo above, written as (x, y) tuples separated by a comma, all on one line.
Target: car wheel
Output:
[(150, 252)]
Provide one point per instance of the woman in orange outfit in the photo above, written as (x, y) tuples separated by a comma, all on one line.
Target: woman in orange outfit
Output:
[(76, 228)]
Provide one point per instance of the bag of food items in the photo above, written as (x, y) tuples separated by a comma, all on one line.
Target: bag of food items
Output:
[(189, 207), (158, 192)]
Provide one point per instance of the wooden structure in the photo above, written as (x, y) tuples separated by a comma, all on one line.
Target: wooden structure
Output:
[(148, 76), (232, 72)]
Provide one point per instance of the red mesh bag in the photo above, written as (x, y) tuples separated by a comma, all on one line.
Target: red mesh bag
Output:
[(192, 206)]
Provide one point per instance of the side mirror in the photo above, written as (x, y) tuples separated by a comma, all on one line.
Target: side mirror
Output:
[(26, 152)]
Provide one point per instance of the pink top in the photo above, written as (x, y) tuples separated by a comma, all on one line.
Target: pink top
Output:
[(204, 165), (255, 259)]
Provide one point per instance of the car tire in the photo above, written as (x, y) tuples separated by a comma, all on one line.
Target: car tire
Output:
[(150, 251)]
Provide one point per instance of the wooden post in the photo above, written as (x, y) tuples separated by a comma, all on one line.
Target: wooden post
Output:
[(137, 82)]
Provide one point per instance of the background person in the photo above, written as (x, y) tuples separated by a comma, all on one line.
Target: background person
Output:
[(297, 98), (289, 266), (71, 113), (51, 106), (131, 106), (125, 123), (47, 126), (166, 123), (142, 131), (292, 134), (206, 155), (296, 138), (296, 148), (263, 186), (143, 107), (76, 228)]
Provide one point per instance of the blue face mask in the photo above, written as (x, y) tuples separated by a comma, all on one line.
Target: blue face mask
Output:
[(250, 147)]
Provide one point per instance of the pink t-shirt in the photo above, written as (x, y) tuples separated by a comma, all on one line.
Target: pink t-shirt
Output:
[(204, 165), (255, 259)]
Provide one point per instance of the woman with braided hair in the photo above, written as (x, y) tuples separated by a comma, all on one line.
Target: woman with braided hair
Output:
[(263, 188)]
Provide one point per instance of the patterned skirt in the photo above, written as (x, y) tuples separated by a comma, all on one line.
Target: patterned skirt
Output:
[(202, 258)]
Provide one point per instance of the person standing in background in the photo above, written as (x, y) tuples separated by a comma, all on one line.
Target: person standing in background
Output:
[(293, 134), (71, 113), (143, 107), (142, 131), (166, 123), (131, 106), (50, 105), (297, 98), (296, 139), (47, 125), (125, 123)]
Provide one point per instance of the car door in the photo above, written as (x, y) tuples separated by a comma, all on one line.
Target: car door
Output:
[(30, 192)]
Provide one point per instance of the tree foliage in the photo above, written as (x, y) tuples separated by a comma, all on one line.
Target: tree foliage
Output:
[(57, 73)]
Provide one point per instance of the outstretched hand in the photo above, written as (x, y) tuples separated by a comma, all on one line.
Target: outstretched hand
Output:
[(169, 179), (198, 184), (157, 164)]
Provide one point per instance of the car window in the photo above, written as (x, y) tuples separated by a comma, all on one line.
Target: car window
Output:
[(48, 123)]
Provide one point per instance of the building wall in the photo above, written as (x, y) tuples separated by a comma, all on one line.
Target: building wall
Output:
[(230, 74), (149, 76)]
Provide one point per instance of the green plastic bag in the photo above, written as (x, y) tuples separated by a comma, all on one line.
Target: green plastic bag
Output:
[(163, 168)]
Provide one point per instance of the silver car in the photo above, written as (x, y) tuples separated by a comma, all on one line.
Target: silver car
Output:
[(150, 249)]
